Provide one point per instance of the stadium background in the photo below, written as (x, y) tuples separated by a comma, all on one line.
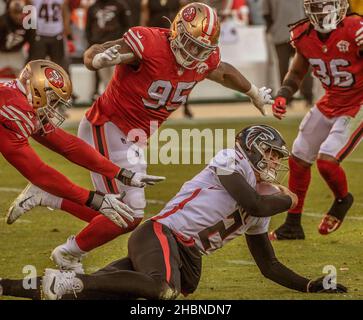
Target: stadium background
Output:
[(230, 273)]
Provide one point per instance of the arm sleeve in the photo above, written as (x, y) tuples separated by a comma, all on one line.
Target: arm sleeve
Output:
[(20, 155), (264, 256), (79, 152), (255, 205)]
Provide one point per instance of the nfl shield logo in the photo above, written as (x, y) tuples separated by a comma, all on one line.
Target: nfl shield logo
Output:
[(343, 46)]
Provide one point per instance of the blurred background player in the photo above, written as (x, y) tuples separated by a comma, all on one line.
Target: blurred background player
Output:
[(106, 20), (139, 98), (52, 32), (278, 14), (332, 44), (12, 39), (229, 198)]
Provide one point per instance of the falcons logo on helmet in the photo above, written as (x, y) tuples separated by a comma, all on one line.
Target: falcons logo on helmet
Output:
[(258, 132)]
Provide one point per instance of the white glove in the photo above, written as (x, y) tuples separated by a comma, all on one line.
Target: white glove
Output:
[(140, 180), (110, 57), (111, 206), (137, 179), (359, 37), (260, 97)]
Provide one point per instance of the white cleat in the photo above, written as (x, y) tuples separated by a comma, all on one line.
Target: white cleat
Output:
[(66, 260), (56, 283), (28, 199)]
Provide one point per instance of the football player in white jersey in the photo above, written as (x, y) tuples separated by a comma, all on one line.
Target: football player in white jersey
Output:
[(232, 196)]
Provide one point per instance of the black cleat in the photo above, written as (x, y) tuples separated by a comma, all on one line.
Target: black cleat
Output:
[(288, 232)]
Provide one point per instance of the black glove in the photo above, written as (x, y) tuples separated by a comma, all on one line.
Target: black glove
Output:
[(317, 287)]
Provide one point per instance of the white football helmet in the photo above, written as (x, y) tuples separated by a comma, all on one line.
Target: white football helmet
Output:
[(325, 15)]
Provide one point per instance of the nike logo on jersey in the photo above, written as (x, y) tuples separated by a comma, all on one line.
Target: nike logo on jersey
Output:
[(139, 35)]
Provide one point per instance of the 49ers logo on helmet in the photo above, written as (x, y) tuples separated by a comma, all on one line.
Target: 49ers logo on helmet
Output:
[(189, 14), (54, 77)]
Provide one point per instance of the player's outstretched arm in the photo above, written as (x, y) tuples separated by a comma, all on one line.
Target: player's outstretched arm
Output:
[(264, 256), (108, 54), (230, 77), (255, 204), (79, 152), (294, 77)]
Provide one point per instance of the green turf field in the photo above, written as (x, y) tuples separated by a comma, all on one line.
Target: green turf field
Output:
[(229, 273)]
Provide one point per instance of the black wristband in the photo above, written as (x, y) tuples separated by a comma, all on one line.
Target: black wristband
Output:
[(95, 200), (125, 176), (288, 89)]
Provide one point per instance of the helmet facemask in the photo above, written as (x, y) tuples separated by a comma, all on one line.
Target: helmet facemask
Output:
[(326, 15), (53, 111), (188, 51)]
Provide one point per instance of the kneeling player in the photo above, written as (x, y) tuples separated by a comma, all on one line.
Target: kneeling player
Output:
[(216, 206)]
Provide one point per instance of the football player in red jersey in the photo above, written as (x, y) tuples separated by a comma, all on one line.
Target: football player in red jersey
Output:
[(29, 107), (331, 43), (156, 69)]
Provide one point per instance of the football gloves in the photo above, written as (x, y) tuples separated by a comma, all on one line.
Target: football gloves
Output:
[(259, 97), (112, 207), (110, 57), (317, 286), (137, 179), (279, 107)]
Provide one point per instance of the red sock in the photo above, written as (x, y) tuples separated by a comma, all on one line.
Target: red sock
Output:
[(81, 212), (299, 180), (334, 176), (100, 231)]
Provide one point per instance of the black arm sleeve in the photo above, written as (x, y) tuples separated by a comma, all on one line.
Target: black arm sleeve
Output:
[(255, 205), (264, 255)]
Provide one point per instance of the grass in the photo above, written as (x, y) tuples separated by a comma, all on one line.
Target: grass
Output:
[(227, 274)]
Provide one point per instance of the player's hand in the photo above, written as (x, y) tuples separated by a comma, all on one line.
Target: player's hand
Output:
[(112, 207), (109, 57), (260, 97), (288, 192), (317, 286), (359, 37), (279, 107), (137, 179)]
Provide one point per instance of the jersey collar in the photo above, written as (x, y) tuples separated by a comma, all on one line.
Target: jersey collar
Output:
[(20, 86)]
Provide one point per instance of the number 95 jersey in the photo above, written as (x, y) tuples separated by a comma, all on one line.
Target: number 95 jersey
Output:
[(336, 62), (152, 90)]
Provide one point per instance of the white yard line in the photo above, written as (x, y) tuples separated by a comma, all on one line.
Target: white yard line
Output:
[(241, 262), (10, 190), (317, 215)]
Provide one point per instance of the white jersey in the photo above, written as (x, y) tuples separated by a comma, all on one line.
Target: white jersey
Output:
[(204, 212), (49, 17)]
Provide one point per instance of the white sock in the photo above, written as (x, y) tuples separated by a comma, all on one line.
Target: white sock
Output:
[(73, 248)]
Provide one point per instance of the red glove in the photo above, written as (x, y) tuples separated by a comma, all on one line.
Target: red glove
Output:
[(279, 107), (71, 47)]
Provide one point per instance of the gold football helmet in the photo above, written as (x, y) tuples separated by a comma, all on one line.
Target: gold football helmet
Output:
[(325, 15), (49, 91), (194, 34)]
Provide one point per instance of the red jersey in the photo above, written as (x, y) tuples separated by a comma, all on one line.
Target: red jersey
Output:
[(136, 96), (336, 62), (18, 121)]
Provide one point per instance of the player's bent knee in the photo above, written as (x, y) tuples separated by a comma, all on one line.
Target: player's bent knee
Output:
[(300, 161), (167, 292)]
